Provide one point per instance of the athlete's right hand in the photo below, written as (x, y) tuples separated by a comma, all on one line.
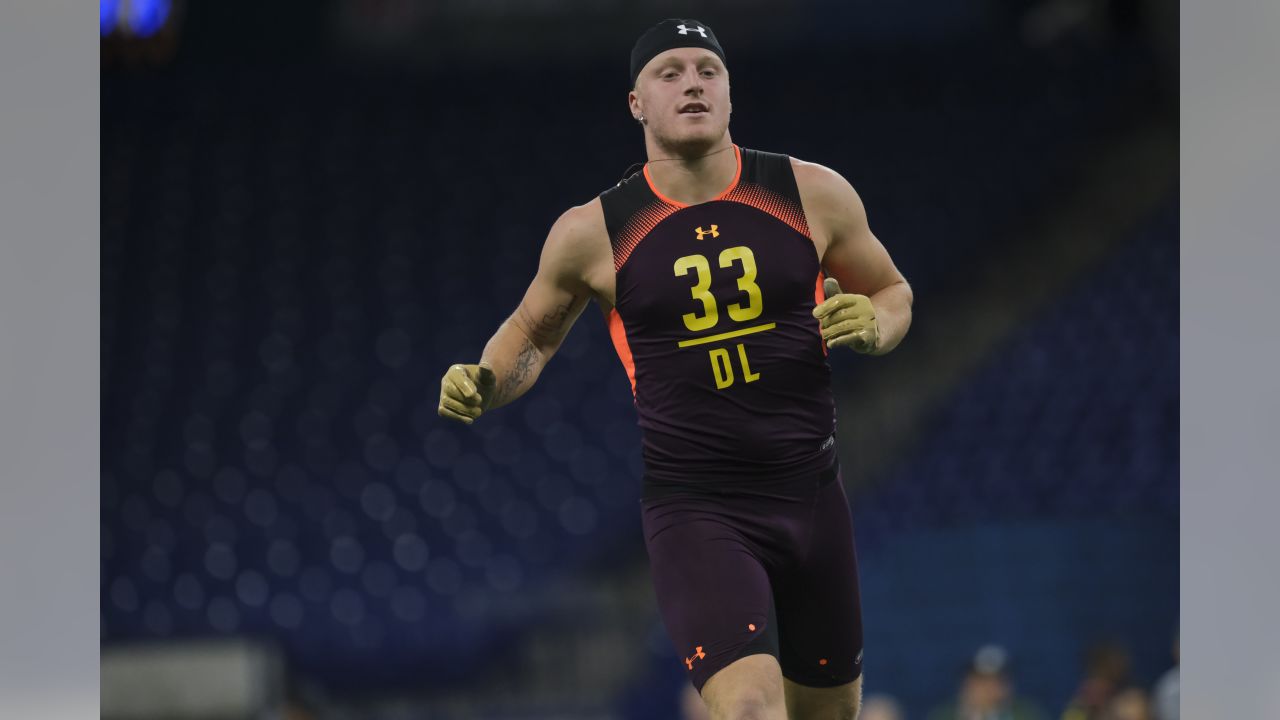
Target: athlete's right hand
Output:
[(466, 391)]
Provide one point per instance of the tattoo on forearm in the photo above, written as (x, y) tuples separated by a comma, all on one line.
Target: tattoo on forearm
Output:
[(551, 324), (520, 371)]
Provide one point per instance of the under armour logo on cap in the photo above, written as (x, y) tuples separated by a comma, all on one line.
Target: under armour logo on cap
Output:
[(686, 30)]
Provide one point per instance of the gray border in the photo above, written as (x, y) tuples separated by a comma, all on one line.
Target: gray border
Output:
[(1230, 390), (49, 385)]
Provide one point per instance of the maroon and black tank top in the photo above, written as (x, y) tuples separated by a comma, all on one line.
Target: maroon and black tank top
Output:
[(713, 322)]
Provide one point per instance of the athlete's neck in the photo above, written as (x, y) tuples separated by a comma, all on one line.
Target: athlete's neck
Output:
[(693, 180)]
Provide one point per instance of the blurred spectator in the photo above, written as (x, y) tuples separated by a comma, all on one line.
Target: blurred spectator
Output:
[(1106, 672), (1164, 697), (880, 707), (987, 692), (1128, 704), (296, 712)]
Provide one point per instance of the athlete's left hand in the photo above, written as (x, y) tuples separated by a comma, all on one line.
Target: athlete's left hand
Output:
[(847, 319)]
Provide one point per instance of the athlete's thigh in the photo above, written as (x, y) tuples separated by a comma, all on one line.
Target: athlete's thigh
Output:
[(818, 603), (713, 592)]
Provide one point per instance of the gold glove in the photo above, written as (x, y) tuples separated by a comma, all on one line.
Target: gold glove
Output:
[(465, 392), (847, 319)]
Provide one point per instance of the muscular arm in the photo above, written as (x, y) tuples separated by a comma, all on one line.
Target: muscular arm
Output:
[(852, 254), (524, 343)]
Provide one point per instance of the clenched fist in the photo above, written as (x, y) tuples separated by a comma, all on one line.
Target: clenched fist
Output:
[(465, 392), (847, 319)]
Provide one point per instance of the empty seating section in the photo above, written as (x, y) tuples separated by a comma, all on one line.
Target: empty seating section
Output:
[(1074, 416)]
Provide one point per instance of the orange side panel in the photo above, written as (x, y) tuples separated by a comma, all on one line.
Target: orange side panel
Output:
[(820, 297), (619, 336)]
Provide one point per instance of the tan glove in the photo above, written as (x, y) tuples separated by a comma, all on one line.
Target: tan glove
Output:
[(466, 391), (847, 319)]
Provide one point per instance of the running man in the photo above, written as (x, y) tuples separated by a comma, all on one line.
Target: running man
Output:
[(709, 266)]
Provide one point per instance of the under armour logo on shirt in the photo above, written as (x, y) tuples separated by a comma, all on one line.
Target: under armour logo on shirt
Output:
[(686, 30)]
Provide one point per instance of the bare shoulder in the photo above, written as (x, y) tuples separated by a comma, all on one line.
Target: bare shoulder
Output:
[(831, 205), (583, 221), (579, 227), (577, 247), (828, 189)]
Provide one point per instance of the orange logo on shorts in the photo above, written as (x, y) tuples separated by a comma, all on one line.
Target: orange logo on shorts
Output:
[(697, 655)]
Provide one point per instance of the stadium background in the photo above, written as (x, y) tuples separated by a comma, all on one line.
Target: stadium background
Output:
[(309, 209)]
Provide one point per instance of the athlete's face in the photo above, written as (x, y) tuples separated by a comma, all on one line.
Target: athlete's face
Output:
[(683, 95)]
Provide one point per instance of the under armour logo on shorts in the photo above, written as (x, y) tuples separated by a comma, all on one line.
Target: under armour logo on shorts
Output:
[(686, 30)]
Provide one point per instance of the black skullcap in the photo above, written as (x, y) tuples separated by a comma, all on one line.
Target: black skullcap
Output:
[(669, 34)]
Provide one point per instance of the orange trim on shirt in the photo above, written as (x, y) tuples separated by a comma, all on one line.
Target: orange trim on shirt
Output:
[(619, 336), (737, 174), (820, 297)]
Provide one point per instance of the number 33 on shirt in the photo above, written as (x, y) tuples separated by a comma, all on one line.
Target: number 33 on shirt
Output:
[(721, 361)]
